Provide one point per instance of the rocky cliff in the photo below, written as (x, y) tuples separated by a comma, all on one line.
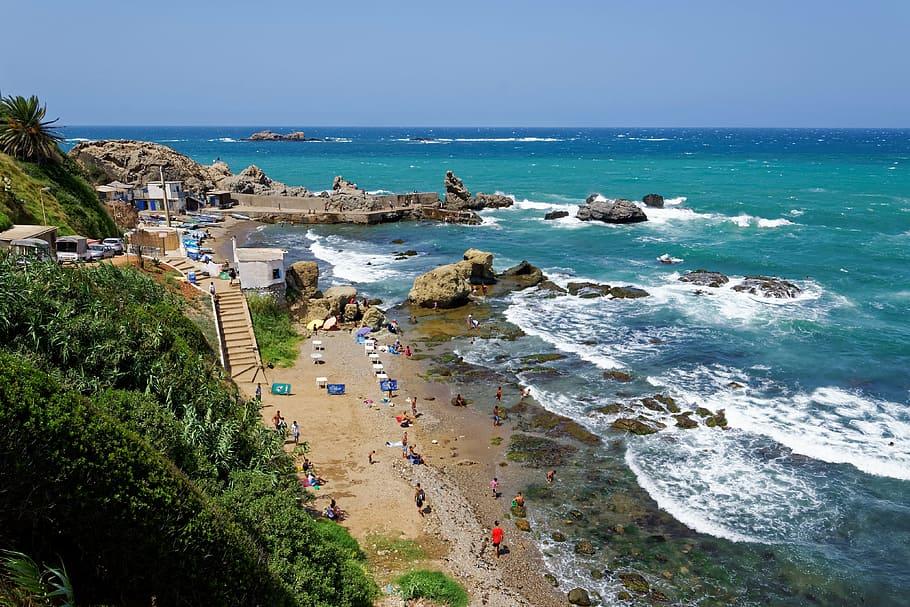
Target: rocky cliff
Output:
[(458, 197), (138, 161)]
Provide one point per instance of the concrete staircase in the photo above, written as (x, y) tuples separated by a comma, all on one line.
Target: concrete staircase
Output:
[(239, 351)]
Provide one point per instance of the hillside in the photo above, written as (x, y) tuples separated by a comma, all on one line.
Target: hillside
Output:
[(131, 458), (71, 204)]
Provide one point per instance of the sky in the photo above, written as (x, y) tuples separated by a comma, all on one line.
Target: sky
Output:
[(472, 62)]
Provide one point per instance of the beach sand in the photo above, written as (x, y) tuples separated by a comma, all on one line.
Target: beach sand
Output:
[(379, 499)]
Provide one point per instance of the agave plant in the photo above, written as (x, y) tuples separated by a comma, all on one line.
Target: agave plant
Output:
[(27, 584), (24, 133)]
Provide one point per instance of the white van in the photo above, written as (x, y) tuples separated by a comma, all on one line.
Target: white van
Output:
[(72, 248)]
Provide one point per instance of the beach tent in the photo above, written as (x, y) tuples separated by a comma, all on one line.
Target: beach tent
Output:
[(281, 389), (363, 331), (313, 325), (335, 389), (388, 385)]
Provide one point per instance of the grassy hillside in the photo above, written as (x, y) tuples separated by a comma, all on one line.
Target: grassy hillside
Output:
[(130, 457), (71, 203)]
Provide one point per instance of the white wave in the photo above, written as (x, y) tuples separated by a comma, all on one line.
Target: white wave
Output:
[(78, 140), (225, 140), (675, 201), (506, 139), (745, 221), (337, 140), (829, 424), (649, 138), (380, 192), (170, 140), (349, 263), (543, 206)]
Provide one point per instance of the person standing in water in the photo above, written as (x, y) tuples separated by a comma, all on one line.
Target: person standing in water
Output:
[(499, 394)]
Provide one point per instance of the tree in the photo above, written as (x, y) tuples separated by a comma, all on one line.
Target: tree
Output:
[(24, 132)]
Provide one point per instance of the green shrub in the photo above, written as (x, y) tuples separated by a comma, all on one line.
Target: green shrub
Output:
[(275, 334), (433, 585), (5, 222)]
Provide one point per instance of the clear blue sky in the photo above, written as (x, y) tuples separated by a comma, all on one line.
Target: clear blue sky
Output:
[(486, 62)]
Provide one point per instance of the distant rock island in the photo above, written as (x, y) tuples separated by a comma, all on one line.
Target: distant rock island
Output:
[(273, 136)]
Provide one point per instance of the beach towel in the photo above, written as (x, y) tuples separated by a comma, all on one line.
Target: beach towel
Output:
[(388, 385), (335, 389), (281, 389)]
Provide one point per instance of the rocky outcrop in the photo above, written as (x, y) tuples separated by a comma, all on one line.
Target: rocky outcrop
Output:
[(597, 208), (373, 318), (635, 426), (655, 201), (253, 180), (303, 279), (273, 136), (590, 290), (523, 275), (458, 197), (555, 215), (767, 286), (704, 278), (579, 596), (450, 285), (138, 162)]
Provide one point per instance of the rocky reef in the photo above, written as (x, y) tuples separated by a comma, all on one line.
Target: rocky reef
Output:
[(598, 208), (273, 136), (764, 286), (590, 290), (458, 197), (655, 201)]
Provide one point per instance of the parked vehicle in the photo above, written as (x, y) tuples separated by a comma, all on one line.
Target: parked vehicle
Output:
[(115, 243), (98, 251), (72, 248), (31, 249)]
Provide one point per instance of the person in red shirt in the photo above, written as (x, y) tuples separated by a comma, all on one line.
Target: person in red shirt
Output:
[(498, 534)]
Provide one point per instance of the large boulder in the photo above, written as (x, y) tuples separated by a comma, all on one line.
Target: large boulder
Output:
[(492, 201), (704, 278), (524, 275), (447, 286), (253, 180), (318, 308), (303, 277), (653, 200), (373, 318), (338, 297), (481, 266), (767, 286), (597, 208)]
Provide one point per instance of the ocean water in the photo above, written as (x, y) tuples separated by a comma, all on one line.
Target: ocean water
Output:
[(816, 461)]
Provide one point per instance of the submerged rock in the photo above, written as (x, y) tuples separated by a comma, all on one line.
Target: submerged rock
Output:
[(584, 547), (634, 582), (610, 211), (634, 426), (704, 278), (551, 288), (684, 421), (555, 215), (768, 286), (617, 375), (522, 524)]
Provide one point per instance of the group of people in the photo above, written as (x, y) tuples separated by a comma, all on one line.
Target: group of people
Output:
[(281, 425)]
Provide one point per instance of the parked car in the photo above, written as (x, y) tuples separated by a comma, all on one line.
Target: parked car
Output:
[(115, 243), (98, 251)]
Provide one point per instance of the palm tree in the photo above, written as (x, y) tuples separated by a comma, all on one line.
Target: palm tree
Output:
[(24, 133)]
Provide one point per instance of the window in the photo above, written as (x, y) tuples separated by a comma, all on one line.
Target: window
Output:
[(276, 273)]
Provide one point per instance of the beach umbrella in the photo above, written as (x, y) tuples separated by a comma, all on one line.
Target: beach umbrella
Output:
[(313, 325), (330, 323), (363, 331)]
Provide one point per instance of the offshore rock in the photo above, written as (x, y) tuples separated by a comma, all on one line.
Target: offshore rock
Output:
[(524, 275), (597, 208), (450, 285), (704, 278), (457, 194), (653, 200), (273, 136), (767, 286), (555, 215), (492, 201), (634, 426)]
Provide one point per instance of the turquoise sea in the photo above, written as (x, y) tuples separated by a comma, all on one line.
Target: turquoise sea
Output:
[(816, 463)]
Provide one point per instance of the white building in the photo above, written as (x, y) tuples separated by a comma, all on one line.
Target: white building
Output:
[(176, 196), (260, 269)]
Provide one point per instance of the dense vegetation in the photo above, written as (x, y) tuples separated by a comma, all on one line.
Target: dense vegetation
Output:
[(433, 585), (126, 454), (70, 203), (37, 181), (275, 335)]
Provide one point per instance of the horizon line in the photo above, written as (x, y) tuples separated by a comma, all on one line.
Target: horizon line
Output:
[(476, 126)]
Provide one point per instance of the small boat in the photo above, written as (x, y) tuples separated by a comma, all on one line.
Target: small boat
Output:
[(240, 216)]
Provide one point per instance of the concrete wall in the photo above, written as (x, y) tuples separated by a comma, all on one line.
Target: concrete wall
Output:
[(306, 203)]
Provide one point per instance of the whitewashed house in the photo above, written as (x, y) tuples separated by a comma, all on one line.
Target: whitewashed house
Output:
[(152, 198), (260, 269)]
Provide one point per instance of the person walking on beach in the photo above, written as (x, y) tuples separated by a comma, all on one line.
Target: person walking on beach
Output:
[(551, 474), (413, 400), (276, 419), (259, 392), (497, 420), (494, 487), (419, 498), (404, 445), (370, 457), (295, 432), (497, 535), (499, 394)]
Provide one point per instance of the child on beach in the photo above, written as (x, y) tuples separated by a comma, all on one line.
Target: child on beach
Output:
[(497, 536), (419, 498), (370, 457), (494, 487), (295, 432)]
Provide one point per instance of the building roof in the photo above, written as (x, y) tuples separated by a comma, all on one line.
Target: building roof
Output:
[(21, 232), (253, 254), (120, 185), (219, 192)]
